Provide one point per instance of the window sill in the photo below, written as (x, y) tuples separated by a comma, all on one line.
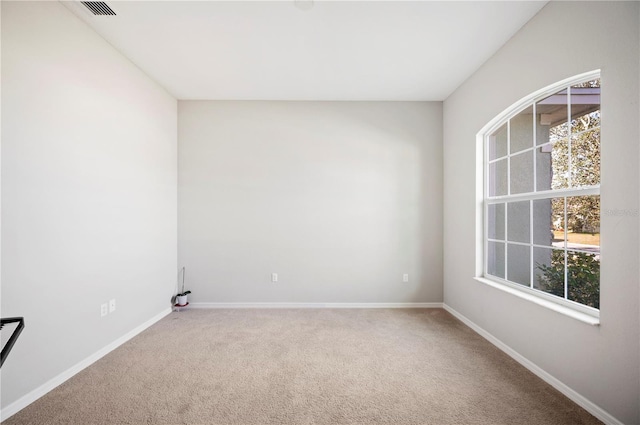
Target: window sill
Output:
[(582, 317)]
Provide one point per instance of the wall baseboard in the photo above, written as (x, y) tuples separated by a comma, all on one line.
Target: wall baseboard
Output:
[(589, 406), (316, 305), (29, 398), (577, 398)]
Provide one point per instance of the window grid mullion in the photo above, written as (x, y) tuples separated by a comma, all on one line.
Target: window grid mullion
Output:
[(535, 189), (535, 150), (569, 128), (580, 133), (539, 246), (485, 218), (506, 204), (492, 161), (570, 168), (546, 194), (506, 238), (509, 157), (531, 243), (566, 237), (486, 205)]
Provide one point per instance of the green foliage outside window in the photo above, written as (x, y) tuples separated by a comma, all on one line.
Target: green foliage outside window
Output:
[(583, 277)]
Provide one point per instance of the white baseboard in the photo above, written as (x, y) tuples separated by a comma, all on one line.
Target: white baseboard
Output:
[(577, 398), (29, 398), (316, 305)]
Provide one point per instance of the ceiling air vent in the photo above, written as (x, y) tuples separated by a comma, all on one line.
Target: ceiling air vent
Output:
[(98, 8)]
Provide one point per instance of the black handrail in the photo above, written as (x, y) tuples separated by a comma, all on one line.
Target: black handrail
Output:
[(14, 336)]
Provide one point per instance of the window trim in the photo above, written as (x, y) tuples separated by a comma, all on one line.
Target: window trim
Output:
[(569, 311), (567, 307)]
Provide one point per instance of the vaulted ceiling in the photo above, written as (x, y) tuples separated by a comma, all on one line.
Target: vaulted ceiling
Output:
[(309, 50)]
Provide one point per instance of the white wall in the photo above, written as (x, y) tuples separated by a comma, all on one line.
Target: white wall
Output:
[(564, 39), (338, 198), (89, 169)]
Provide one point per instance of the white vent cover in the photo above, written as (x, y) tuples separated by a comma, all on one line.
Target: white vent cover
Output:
[(99, 8)]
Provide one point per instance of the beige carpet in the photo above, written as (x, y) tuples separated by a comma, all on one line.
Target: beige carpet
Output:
[(307, 366)]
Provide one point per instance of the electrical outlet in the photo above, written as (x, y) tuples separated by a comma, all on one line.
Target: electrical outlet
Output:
[(104, 310), (112, 305), (405, 277), (274, 277)]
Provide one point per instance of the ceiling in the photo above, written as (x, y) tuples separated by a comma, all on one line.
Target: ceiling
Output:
[(309, 50)]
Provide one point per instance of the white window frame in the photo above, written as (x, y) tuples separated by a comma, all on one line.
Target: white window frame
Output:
[(579, 311)]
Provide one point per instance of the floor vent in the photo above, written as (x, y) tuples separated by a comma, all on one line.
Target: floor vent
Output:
[(99, 8)]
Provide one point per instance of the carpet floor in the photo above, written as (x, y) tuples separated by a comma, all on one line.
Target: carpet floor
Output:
[(305, 366)]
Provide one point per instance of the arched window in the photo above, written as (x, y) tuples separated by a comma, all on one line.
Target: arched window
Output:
[(542, 194)]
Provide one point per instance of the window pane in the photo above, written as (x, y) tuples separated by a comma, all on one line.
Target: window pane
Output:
[(583, 223), (552, 119), (585, 105), (588, 121), (548, 218), (559, 131), (544, 171), (522, 173), (560, 164), (552, 114), (495, 259), (583, 278), (557, 206), (591, 83), (521, 131), (495, 221), (518, 264), (542, 130), (585, 134), (498, 178), (498, 143), (585, 158), (518, 223), (548, 271)]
